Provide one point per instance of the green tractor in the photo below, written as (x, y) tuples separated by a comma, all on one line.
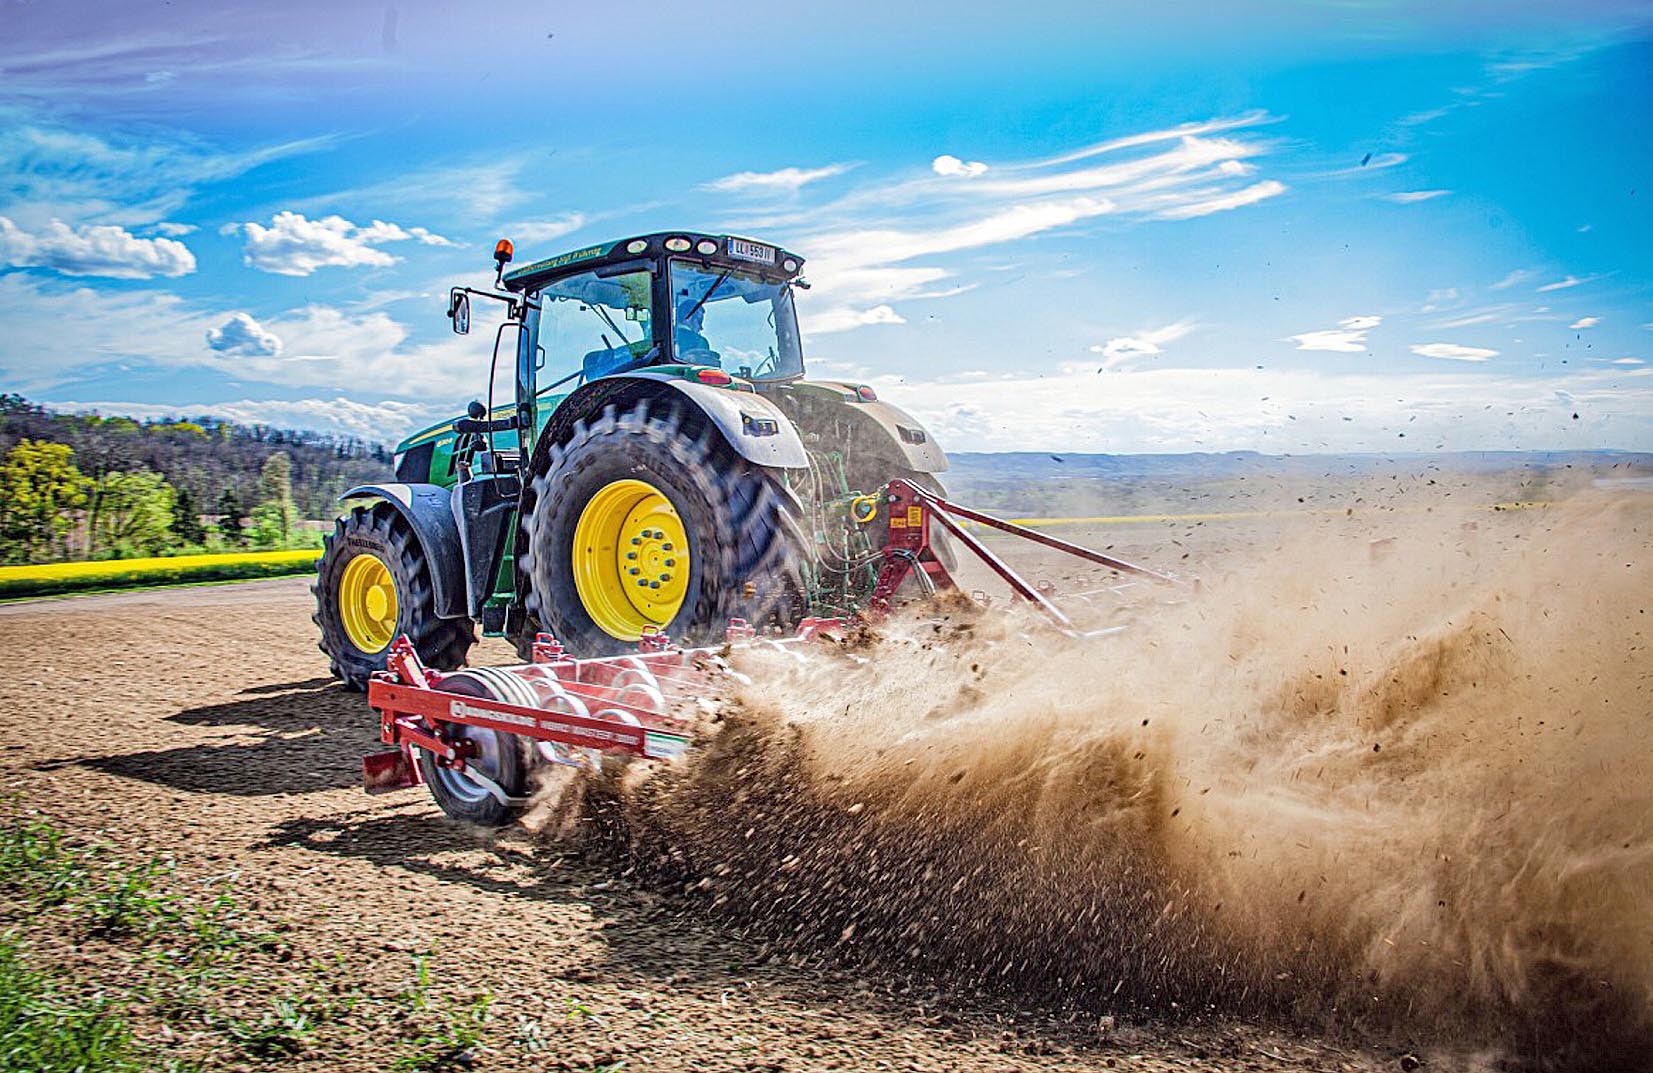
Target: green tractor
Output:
[(663, 467)]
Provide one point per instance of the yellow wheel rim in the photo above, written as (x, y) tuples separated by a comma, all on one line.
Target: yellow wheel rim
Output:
[(631, 559), (367, 603)]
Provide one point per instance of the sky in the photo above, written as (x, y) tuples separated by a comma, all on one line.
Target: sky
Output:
[(1328, 225)]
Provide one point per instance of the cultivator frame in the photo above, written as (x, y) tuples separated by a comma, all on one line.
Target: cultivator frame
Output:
[(640, 705)]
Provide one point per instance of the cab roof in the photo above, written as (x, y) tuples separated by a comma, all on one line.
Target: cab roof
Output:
[(728, 250)]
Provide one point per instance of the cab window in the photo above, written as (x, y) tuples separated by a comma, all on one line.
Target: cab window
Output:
[(596, 324)]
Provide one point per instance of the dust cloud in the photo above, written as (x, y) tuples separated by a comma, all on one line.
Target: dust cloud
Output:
[(1396, 789)]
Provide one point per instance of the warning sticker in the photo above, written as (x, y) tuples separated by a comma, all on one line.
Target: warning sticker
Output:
[(915, 516)]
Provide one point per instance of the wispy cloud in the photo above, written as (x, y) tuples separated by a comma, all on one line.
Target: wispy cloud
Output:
[(1584, 322), (54, 172), (1565, 284), (532, 231), (296, 246), (1349, 337), (1145, 343), (786, 180), (1520, 275), (1628, 361), (1412, 197), (1453, 352), (105, 250), (883, 242)]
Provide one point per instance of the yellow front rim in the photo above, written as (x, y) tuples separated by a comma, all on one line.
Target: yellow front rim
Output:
[(367, 603), (631, 559)]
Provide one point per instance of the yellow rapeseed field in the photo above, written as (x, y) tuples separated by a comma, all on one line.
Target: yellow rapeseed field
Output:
[(49, 578)]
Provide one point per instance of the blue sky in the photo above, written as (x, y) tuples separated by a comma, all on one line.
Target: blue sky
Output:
[(1289, 227)]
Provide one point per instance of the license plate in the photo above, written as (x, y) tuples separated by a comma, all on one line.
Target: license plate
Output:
[(751, 251)]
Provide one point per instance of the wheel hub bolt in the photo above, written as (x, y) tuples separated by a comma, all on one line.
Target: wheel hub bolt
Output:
[(642, 583), (665, 547), (654, 584), (636, 540), (671, 562), (631, 555), (634, 571), (665, 577)]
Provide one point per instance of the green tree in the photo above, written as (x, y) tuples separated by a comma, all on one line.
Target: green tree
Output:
[(134, 513), (232, 518), (40, 493), (275, 518), (186, 520)]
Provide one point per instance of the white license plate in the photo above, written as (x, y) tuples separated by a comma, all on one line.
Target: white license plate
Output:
[(751, 251)]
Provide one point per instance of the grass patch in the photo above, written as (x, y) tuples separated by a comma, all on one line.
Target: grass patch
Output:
[(53, 579), (126, 966)]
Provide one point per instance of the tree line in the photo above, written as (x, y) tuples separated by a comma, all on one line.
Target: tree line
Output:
[(85, 486)]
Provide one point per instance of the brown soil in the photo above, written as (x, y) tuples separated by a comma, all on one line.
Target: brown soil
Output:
[(198, 724)]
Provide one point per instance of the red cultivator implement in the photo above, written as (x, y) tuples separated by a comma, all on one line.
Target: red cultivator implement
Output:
[(472, 736)]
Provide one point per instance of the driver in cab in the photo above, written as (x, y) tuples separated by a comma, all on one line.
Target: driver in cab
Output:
[(688, 336)]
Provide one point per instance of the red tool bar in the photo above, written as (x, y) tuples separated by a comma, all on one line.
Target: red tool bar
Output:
[(436, 707), (948, 507), (1004, 570)]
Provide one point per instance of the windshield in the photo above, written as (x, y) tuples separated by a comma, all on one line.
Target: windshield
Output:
[(735, 320), (596, 324)]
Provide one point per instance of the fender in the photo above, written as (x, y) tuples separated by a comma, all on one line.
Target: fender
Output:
[(755, 427), (428, 509), (906, 436)]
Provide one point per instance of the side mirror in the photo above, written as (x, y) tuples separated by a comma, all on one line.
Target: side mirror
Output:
[(459, 311), (475, 410)]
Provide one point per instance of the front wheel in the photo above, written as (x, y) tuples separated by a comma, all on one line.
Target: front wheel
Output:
[(373, 584), (638, 524)]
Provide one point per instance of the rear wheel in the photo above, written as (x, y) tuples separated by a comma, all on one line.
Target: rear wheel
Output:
[(500, 757), (373, 584), (638, 523)]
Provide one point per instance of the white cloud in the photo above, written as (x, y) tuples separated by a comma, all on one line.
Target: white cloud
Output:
[(241, 334), (1349, 337), (1628, 361), (947, 164), (1224, 202), (842, 319), (174, 230), (296, 246), (1520, 275), (1453, 352), (1584, 322), (1409, 197), (533, 231), (786, 180), (95, 250), (1564, 284), (1145, 343)]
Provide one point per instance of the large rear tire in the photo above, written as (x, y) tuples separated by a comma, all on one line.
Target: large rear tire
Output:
[(373, 584), (643, 521)]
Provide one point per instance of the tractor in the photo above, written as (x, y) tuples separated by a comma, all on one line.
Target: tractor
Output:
[(662, 467)]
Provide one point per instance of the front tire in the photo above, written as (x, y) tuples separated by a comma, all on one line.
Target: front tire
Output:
[(639, 523), (372, 585)]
